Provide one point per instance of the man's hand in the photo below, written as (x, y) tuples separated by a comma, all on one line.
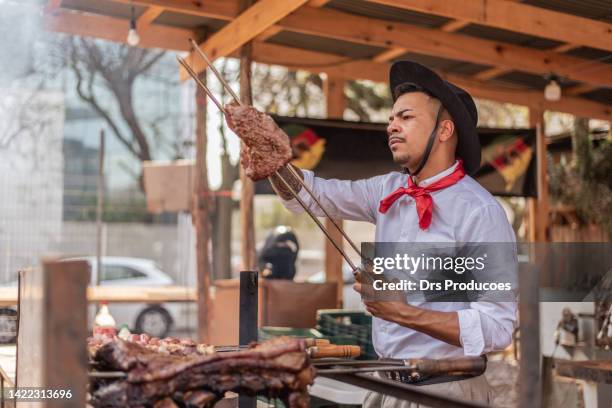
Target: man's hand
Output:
[(440, 325)]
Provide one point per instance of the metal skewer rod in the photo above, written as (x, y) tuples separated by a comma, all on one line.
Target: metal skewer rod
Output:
[(293, 192), (316, 220), (214, 70), (363, 369), (344, 234), (195, 77)]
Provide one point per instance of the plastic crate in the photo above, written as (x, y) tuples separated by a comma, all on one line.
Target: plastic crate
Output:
[(269, 332), (347, 324)]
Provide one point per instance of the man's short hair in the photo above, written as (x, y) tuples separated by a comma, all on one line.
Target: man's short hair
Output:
[(409, 87)]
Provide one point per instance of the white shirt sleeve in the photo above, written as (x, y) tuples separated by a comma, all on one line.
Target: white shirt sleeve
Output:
[(487, 326), (343, 199)]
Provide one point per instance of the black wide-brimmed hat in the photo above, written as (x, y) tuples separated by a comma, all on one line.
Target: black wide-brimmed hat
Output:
[(455, 100)]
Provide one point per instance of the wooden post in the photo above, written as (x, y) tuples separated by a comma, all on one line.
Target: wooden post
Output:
[(530, 382), (200, 216), (539, 208), (100, 208), (336, 103), (52, 331), (247, 250)]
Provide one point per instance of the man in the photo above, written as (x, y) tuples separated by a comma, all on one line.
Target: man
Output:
[(432, 136)]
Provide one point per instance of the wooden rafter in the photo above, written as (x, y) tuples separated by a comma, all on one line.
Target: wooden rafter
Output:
[(364, 30), (248, 25), (367, 69), (115, 29), (342, 26), (495, 72), (149, 15), (578, 89), (515, 16)]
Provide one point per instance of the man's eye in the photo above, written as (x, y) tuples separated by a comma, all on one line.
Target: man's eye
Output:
[(407, 117)]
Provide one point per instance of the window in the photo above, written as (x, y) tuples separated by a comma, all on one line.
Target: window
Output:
[(116, 272)]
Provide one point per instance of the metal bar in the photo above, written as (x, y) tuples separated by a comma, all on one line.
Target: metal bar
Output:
[(229, 89), (214, 70), (248, 321), (355, 363), (371, 369), (344, 234), (106, 374), (316, 220), (195, 78), (403, 391)]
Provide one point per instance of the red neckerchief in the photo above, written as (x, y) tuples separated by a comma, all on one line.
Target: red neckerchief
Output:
[(424, 202)]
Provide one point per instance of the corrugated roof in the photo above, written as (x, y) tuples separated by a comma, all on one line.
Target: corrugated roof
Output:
[(531, 80), (321, 44), (188, 21), (601, 95), (373, 10), (595, 9), (444, 64), (106, 8), (511, 37)]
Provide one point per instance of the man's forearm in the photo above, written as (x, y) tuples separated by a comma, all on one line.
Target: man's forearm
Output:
[(281, 188), (441, 325)]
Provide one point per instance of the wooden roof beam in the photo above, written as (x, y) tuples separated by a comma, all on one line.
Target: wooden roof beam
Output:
[(334, 24), (115, 29), (364, 30), (248, 25), (519, 17), (149, 15), (495, 72), (366, 69)]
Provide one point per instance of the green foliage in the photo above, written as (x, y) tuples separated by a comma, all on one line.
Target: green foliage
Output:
[(586, 184)]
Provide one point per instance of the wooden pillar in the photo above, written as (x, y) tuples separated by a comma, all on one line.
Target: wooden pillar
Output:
[(247, 192), (200, 216), (51, 342), (336, 103), (539, 208)]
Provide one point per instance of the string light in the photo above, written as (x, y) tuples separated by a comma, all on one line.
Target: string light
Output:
[(552, 91), (133, 38)]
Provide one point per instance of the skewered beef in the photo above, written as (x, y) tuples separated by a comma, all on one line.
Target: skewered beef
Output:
[(267, 147), (278, 368), (168, 345)]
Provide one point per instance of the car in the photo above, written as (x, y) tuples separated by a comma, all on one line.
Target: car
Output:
[(155, 319)]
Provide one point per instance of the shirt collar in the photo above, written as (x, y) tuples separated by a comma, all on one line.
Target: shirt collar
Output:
[(438, 176)]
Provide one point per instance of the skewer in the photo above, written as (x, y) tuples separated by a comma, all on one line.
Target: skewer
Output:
[(293, 192), (316, 220), (195, 77), (344, 234), (214, 70), (363, 369), (106, 374)]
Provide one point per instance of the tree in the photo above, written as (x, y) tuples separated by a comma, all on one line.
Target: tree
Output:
[(101, 66)]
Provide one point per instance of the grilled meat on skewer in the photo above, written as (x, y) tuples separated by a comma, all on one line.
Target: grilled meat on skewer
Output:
[(267, 146)]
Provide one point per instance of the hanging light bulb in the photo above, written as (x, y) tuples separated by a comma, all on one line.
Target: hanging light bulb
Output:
[(133, 38), (552, 91)]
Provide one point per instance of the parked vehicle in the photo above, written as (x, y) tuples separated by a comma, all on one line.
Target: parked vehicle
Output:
[(155, 319)]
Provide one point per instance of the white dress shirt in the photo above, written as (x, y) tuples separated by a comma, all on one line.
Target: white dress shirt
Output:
[(463, 212)]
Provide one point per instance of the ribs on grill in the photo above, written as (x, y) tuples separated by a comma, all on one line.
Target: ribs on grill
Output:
[(278, 368)]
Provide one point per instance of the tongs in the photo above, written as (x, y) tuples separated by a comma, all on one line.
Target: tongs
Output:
[(294, 193)]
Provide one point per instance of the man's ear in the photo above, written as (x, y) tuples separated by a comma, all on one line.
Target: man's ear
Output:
[(446, 129)]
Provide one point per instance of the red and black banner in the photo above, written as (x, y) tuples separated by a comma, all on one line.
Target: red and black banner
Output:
[(355, 150)]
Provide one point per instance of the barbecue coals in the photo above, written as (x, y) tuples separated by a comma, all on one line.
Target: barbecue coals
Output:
[(267, 147), (278, 368)]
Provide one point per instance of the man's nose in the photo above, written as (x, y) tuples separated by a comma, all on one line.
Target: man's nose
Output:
[(392, 127)]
